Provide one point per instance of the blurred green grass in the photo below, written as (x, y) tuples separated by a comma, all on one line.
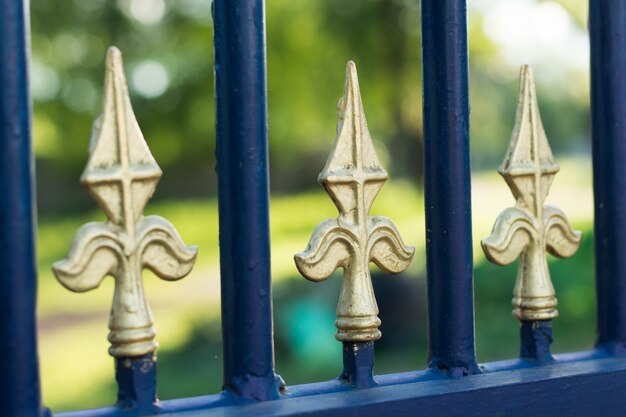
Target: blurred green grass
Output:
[(73, 327)]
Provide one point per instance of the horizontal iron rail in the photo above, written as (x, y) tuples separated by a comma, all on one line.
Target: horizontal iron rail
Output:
[(578, 384)]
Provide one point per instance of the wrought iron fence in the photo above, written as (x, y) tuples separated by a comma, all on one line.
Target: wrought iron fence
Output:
[(122, 174)]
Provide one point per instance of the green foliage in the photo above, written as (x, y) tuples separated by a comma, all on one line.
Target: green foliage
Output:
[(308, 44)]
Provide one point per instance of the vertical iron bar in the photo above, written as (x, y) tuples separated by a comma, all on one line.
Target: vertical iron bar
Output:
[(243, 190), (447, 187), (137, 384), (19, 373), (536, 338), (358, 364), (607, 29)]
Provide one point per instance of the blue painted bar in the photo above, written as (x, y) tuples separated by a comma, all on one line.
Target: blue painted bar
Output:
[(447, 196), (607, 30), (137, 384), (243, 190), (358, 364), (536, 338), (19, 373)]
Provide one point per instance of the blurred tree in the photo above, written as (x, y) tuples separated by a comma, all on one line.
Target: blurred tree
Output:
[(167, 45), (168, 58)]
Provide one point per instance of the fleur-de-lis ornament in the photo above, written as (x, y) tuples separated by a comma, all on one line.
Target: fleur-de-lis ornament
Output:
[(352, 177), (122, 175), (530, 228)]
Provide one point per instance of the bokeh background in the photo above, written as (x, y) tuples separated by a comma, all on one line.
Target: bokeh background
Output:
[(167, 46)]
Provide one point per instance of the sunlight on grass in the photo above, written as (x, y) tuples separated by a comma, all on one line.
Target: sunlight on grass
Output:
[(73, 327)]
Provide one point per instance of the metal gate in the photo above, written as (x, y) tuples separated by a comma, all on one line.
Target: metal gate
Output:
[(122, 174)]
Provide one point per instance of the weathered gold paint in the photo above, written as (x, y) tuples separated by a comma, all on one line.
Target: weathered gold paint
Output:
[(352, 177), (530, 228), (122, 175)]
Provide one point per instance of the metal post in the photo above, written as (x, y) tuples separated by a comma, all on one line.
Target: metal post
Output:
[(19, 373), (536, 338), (607, 28), (447, 187), (242, 167), (358, 364), (137, 384)]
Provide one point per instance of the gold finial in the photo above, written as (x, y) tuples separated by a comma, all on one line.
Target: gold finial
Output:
[(529, 228), (122, 175), (352, 177)]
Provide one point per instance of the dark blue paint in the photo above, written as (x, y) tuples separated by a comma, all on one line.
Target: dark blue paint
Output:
[(167, 408), (358, 364), (447, 188), (19, 374), (242, 167), (404, 393), (607, 30), (536, 338), (563, 358), (575, 389), (136, 382)]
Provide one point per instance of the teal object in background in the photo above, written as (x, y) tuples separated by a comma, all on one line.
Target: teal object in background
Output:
[(310, 326)]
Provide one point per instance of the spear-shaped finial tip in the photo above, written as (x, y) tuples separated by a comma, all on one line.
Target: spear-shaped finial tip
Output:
[(113, 57), (527, 80), (113, 51), (115, 66), (351, 93), (352, 79)]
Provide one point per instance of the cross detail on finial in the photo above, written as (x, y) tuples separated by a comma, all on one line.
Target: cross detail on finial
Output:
[(530, 228), (122, 175), (352, 177)]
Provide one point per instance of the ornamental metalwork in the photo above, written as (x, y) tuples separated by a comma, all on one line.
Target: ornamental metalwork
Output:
[(530, 228), (352, 178), (121, 175)]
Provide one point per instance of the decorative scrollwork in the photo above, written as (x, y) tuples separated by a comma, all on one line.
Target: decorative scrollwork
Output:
[(530, 228), (122, 175), (352, 177)]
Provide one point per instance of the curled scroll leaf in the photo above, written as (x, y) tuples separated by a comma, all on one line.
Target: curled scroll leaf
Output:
[(94, 254), (511, 234), (561, 240), (329, 248), (164, 252), (388, 251)]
